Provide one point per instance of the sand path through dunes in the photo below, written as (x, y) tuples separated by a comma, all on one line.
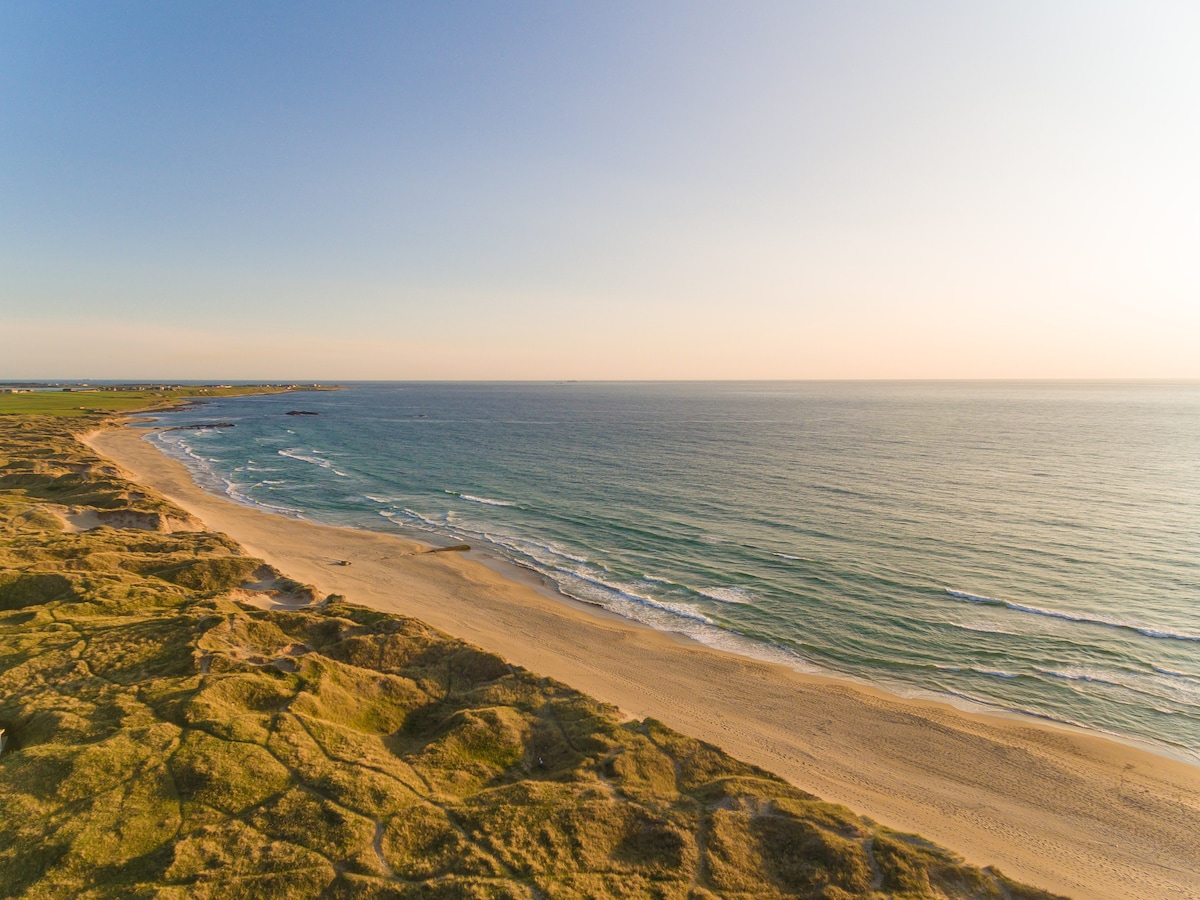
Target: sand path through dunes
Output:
[(1066, 811)]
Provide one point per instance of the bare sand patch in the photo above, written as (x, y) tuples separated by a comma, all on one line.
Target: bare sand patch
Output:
[(75, 520)]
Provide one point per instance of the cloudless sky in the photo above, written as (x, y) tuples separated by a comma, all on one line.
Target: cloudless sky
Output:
[(599, 190)]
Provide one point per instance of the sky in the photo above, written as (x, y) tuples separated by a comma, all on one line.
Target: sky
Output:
[(616, 190)]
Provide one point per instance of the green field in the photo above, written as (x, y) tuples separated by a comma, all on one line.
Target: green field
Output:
[(168, 740), (82, 402)]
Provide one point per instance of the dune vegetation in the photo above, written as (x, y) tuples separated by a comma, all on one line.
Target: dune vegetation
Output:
[(84, 401), (166, 738)]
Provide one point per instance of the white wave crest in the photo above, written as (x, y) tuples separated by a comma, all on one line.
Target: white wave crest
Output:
[(486, 501), (1074, 617), (311, 457), (726, 594), (658, 579)]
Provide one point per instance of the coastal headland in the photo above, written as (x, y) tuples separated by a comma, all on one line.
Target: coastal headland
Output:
[(1071, 812)]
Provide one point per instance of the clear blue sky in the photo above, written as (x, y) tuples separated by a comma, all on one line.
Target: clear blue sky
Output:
[(606, 190)]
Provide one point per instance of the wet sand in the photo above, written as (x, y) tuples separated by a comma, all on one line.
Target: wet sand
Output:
[(1065, 810)]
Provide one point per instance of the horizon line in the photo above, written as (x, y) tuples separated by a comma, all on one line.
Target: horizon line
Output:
[(326, 382)]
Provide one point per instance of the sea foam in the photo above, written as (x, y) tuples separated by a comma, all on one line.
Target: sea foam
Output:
[(486, 501), (311, 457)]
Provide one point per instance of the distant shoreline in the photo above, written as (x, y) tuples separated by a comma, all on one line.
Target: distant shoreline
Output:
[(1040, 802)]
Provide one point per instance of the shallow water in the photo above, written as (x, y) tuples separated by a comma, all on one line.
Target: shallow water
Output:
[(1030, 546)]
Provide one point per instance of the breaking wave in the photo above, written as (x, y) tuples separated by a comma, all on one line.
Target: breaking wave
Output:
[(1074, 617)]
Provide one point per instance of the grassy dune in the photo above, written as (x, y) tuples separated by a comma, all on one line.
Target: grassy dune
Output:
[(168, 740)]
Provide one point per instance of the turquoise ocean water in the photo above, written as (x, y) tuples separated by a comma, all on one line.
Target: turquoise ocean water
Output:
[(1028, 546)]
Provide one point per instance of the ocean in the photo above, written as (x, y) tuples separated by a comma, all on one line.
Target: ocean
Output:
[(1030, 547)]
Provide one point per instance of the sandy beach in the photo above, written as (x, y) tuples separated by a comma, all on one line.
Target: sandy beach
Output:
[(1067, 811)]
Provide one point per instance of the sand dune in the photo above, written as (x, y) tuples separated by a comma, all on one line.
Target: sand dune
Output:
[(1067, 811)]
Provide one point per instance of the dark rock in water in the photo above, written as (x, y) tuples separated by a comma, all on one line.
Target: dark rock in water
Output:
[(205, 425), (457, 548), (301, 412)]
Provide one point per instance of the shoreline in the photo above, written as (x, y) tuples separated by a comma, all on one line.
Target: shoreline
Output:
[(513, 570), (534, 580), (1063, 808)]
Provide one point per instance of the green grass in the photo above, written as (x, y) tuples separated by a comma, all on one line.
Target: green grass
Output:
[(168, 741), (87, 402)]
